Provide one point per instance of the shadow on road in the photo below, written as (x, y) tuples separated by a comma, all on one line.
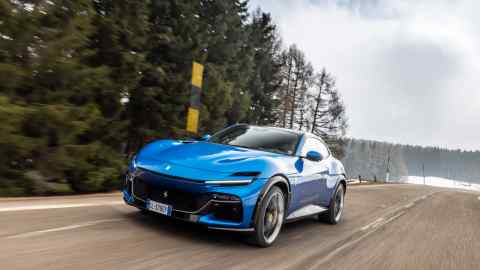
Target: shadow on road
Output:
[(185, 231), (196, 233)]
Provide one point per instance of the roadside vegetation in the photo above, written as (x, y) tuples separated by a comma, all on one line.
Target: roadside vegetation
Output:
[(84, 84)]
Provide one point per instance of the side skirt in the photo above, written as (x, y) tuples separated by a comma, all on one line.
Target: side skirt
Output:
[(232, 229), (305, 211)]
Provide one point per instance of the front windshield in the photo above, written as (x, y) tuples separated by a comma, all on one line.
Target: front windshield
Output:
[(260, 138)]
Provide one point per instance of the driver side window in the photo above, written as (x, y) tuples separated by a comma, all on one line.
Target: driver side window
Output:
[(312, 144)]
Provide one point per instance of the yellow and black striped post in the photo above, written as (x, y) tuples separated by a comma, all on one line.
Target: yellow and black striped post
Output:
[(194, 109)]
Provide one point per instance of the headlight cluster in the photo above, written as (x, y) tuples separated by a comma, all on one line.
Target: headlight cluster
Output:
[(248, 177), (233, 182), (133, 164)]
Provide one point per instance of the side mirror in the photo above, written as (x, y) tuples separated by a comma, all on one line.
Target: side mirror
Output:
[(205, 137), (314, 156)]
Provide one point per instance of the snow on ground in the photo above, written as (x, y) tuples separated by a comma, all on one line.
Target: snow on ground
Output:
[(441, 182)]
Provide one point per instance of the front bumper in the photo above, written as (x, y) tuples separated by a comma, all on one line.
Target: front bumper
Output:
[(217, 207)]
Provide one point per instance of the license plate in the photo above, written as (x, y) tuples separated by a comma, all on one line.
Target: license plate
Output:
[(160, 208)]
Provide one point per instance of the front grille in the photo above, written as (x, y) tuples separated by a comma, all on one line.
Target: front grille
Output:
[(156, 187), (140, 189), (178, 199)]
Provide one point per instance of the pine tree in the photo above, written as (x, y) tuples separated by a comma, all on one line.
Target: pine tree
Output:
[(328, 111), (157, 105), (296, 80), (265, 81), (63, 110), (229, 62), (120, 44), (213, 33), (14, 32)]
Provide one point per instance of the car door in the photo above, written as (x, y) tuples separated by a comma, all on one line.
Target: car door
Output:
[(313, 174)]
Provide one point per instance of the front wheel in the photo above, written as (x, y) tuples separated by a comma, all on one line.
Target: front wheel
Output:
[(335, 210), (268, 223)]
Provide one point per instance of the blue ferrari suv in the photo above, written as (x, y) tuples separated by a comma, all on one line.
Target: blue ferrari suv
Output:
[(244, 178)]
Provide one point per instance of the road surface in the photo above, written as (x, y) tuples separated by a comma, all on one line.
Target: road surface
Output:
[(384, 227)]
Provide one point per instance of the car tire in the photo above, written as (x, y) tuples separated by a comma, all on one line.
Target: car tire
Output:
[(335, 211), (269, 218)]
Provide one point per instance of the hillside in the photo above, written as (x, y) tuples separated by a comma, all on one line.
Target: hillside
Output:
[(369, 159)]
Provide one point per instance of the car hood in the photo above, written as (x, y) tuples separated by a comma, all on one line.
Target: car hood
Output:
[(203, 159)]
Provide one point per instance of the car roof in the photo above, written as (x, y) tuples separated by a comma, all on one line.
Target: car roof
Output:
[(298, 132)]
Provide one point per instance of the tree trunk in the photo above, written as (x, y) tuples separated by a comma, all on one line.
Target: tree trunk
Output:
[(317, 106)]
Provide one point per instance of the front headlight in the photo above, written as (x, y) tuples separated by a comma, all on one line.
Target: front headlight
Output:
[(132, 166), (249, 177), (233, 182)]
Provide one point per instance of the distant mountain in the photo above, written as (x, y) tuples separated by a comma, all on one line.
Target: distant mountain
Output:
[(369, 160)]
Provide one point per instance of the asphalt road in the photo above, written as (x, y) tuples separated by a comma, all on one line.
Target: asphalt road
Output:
[(384, 227)]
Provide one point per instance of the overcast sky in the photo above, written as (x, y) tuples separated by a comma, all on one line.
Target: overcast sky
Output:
[(409, 71)]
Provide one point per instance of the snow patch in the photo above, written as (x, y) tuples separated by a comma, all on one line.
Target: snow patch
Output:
[(441, 182)]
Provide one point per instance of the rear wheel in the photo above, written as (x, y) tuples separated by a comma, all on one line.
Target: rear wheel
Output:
[(335, 210), (270, 216)]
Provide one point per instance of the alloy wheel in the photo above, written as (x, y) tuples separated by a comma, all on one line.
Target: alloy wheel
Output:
[(273, 218)]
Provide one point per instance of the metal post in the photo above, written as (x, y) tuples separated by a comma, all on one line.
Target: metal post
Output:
[(388, 166), (423, 171), (194, 109)]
